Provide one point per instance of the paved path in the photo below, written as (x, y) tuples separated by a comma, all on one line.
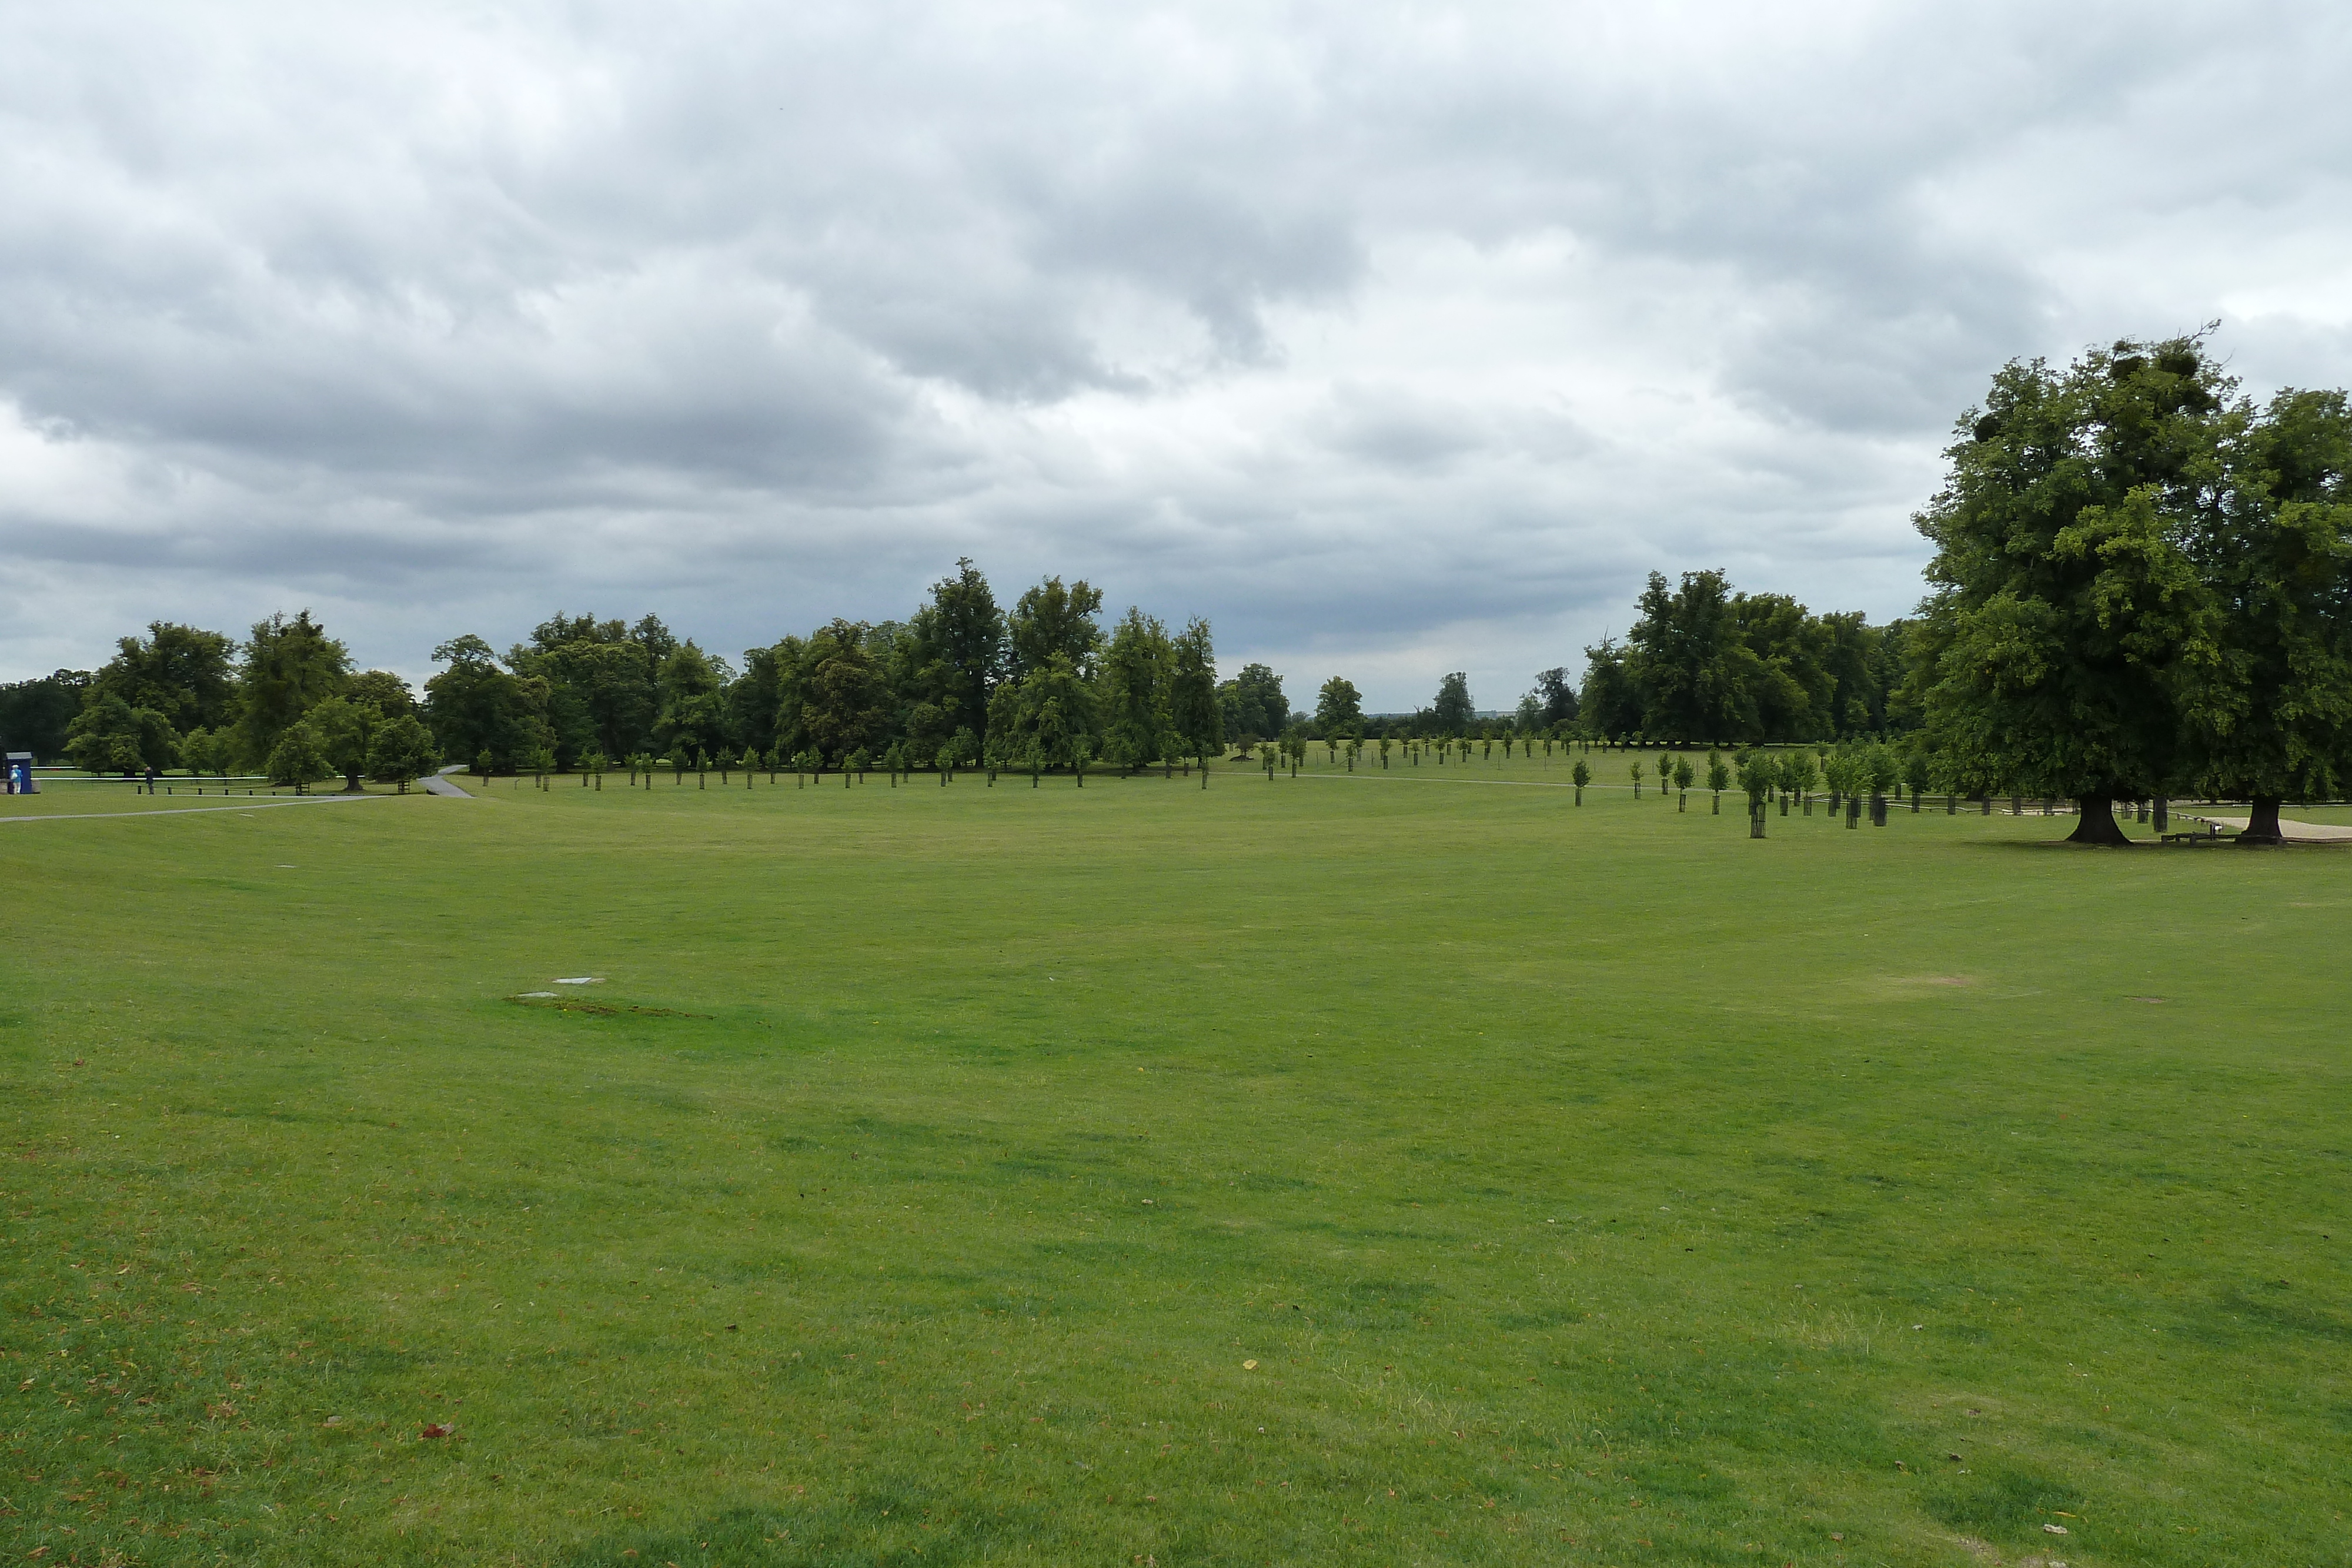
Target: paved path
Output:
[(192, 811), (2294, 832), (439, 784)]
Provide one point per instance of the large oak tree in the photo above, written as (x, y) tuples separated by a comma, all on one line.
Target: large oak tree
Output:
[(2066, 606), (2269, 718)]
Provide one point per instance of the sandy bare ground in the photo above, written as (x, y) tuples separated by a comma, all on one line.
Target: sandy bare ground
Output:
[(2294, 832)]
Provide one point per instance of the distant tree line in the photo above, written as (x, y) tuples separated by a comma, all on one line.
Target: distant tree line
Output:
[(959, 682), (2142, 586), (285, 700), (1705, 663)]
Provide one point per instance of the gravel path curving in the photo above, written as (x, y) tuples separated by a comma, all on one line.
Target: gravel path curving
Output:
[(2294, 832)]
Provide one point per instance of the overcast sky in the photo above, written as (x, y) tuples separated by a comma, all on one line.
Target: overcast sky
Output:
[(1394, 340)]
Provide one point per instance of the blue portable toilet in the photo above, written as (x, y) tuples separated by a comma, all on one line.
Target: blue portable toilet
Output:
[(20, 774)]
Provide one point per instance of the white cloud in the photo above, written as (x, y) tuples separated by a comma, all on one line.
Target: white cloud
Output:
[(1395, 339)]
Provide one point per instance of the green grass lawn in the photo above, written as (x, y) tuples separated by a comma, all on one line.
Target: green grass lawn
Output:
[(1377, 1170)]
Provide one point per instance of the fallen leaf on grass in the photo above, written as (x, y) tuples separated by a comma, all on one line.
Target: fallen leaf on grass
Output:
[(1249, 1366), (435, 1430), (2056, 1528)]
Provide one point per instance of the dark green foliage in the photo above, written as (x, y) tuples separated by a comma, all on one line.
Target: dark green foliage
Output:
[(1051, 708), (693, 715), (1338, 708), (299, 756), (1451, 713), (478, 709), (109, 735), (1699, 678), (1800, 770), (1612, 701), (1556, 702), (2067, 612), (288, 667), (1135, 685), (180, 672), (2269, 716), (403, 749), (1051, 621), (599, 681), (1252, 706), (835, 698), (383, 690), (345, 731), (34, 715), (1705, 663), (1194, 711), (960, 648)]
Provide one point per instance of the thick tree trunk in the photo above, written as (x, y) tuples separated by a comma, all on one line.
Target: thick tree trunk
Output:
[(2262, 825), (2097, 824)]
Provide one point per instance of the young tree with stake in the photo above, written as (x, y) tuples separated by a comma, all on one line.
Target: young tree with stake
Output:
[(1758, 774)]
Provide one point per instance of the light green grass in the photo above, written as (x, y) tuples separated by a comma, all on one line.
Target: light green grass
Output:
[(1589, 1185)]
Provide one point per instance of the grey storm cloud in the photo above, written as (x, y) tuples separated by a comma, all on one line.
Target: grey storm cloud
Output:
[(1396, 339)]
